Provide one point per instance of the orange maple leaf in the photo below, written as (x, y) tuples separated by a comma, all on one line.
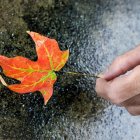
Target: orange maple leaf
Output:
[(36, 75)]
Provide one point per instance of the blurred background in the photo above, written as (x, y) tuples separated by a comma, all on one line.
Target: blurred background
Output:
[(95, 32)]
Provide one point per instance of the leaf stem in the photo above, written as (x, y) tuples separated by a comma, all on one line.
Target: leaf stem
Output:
[(69, 72), (81, 74)]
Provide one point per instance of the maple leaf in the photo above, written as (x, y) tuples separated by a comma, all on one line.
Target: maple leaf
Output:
[(36, 75)]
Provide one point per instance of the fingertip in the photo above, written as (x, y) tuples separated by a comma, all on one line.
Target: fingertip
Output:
[(112, 72), (109, 76)]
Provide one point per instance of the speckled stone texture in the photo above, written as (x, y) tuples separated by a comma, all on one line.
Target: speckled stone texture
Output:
[(95, 31)]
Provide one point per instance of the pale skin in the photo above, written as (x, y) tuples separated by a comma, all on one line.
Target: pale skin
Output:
[(120, 88)]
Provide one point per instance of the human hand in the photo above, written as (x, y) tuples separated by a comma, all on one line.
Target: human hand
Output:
[(120, 88)]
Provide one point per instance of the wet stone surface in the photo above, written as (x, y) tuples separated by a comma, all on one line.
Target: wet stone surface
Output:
[(95, 31)]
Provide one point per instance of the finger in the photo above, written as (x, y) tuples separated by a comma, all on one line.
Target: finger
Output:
[(134, 101), (134, 110), (102, 87), (124, 87), (123, 64)]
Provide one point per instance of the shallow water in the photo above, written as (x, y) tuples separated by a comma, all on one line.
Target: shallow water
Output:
[(95, 31)]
